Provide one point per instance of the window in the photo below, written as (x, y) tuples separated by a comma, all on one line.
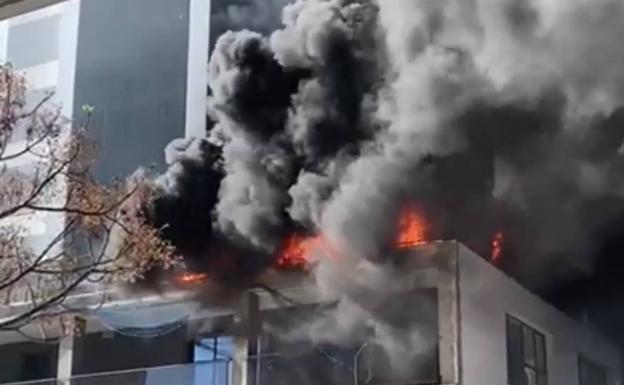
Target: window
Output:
[(285, 362), (41, 35), (591, 373), (213, 356), (214, 348), (526, 354), (28, 361)]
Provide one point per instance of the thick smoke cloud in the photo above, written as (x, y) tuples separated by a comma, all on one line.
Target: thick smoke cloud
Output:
[(262, 16), (486, 115), (251, 96), (189, 189)]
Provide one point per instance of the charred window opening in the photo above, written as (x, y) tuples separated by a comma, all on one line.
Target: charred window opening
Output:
[(407, 322), (285, 359), (526, 354)]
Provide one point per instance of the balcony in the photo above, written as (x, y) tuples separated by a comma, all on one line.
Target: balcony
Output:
[(367, 365), (217, 372), (269, 369)]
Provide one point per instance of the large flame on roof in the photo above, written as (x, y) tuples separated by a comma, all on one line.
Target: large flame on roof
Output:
[(412, 229), (299, 252), (294, 253)]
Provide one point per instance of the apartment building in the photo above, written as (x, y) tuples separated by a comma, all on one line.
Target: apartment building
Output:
[(140, 71), (141, 65)]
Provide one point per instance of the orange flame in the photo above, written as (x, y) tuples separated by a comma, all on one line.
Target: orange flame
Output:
[(190, 278), (497, 247), (296, 253), (412, 229), (293, 254)]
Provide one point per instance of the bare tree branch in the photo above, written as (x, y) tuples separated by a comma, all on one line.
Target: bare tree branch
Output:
[(95, 235), (7, 282)]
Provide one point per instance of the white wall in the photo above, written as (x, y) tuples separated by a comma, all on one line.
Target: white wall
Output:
[(41, 45), (486, 296)]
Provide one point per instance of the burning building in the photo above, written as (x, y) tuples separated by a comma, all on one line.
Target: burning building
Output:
[(441, 315), (316, 207)]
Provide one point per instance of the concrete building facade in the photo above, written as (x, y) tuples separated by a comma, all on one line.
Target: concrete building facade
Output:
[(480, 327), (137, 69), (140, 71)]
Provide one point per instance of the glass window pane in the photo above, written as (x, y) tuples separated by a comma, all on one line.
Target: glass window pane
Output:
[(515, 359), (225, 347), (528, 346), (204, 350), (540, 351)]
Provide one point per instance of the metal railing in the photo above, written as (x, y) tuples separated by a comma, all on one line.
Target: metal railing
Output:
[(321, 366), (264, 369), (48, 381), (217, 372)]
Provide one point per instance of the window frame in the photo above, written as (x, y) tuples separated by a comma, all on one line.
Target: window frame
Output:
[(215, 349), (535, 366)]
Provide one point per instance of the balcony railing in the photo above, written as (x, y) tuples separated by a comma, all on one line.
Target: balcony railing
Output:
[(333, 367), (34, 382), (267, 369), (216, 372)]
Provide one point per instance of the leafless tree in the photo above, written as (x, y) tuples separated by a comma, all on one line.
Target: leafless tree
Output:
[(93, 234)]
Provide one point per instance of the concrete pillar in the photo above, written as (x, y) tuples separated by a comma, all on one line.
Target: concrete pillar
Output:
[(197, 68), (246, 341), (436, 267), (448, 316), (66, 351)]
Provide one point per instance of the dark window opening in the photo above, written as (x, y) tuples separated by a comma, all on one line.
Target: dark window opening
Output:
[(526, 354), (28, 361), (591, 373), (282, 360), (103, 352)]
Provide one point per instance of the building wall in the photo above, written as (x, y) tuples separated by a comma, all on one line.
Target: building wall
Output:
[(144, 72), (486, 296), (41, 47), (132, 68)]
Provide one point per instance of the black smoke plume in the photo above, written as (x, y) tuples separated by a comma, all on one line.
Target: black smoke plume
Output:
[(489, 115)]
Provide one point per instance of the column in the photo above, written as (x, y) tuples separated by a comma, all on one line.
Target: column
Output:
[(66, 350), (197, 68), (246, 341)]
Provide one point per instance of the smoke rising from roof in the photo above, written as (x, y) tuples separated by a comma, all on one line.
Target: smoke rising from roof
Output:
[(487, 114)]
